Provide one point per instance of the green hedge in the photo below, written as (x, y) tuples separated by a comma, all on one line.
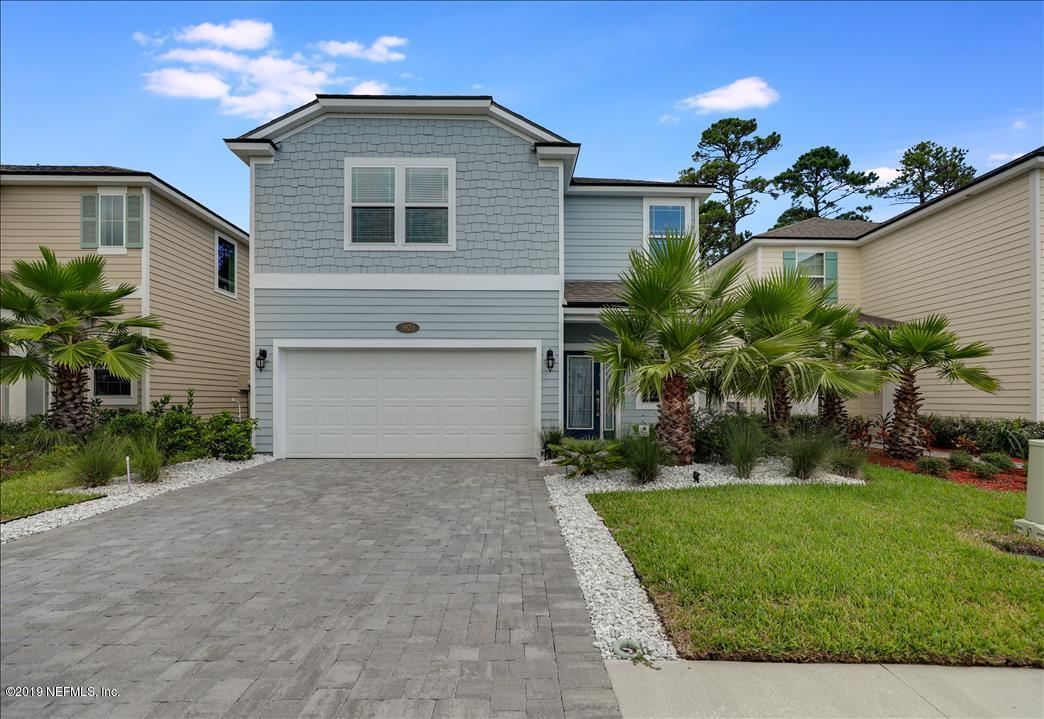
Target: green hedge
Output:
[(1010, 436)]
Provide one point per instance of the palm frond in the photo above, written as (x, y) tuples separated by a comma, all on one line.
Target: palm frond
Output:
[(23, 305), (77, 355), (123, 362), (28, 366)]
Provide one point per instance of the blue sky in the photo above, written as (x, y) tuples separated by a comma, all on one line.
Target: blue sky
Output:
[(156, 86)]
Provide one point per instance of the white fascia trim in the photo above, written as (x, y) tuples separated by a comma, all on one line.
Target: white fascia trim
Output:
[(640, 191), (565, 155), (115, 181), (581, 314), (280, 346), (1036, 311), (245, 151), (381, 281)]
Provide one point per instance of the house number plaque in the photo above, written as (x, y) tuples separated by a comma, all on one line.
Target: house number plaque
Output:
[(407, 328)]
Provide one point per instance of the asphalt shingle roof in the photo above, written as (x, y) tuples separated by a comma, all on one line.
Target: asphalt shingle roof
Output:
[(67, 170), (820, 228)]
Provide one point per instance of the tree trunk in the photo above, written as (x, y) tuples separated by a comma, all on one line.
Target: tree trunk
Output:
[(69, 401), (674, 429), (832, 411), (903, 441), (778, 408)]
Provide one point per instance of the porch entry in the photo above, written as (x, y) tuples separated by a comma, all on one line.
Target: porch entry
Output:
[(587, 413)]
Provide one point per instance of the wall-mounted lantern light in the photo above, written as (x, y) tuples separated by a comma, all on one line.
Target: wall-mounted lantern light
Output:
[(550, 361), (261, 360)]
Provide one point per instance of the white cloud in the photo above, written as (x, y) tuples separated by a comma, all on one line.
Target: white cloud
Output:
[(176, 82), (380, 51), (370, 87), (146, 40), (669, 119), (477, 86), (237, 34), (1018, 125), (884, 175), (738, 95), (251, 84), (999, 157)]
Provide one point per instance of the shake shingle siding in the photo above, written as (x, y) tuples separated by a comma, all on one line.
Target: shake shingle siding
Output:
[(507, 204)]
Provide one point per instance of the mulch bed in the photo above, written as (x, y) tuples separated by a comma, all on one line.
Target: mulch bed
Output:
[(1014, 481)]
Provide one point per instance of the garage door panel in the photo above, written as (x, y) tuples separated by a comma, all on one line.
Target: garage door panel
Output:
[(409, 403)]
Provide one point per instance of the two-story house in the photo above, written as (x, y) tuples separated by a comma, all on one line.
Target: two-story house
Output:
[(426, 277), (190, 267), (975, 254)]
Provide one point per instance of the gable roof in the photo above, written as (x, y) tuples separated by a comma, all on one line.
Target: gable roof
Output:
[(109, 174), (481, 105), (821, 228)]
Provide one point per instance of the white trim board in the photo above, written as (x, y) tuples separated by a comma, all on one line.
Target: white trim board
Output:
[(414, 281), (280, 346), (1036, 310)]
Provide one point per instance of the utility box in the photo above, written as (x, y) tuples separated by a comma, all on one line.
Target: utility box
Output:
[(1033, 523)]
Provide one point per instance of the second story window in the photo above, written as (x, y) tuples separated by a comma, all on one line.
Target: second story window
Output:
[(110, 220), (812, 264), (400, 203), (225, 268), (664, 218)]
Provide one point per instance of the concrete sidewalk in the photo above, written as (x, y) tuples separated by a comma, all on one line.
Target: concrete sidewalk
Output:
[(756, 689)]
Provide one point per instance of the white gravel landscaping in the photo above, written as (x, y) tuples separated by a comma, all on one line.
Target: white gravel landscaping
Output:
[(177, 476), (616, 600)]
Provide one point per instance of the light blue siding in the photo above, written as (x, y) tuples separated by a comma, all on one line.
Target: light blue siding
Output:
[(507, 204), (373, 314), (600, 232), (584, 333)]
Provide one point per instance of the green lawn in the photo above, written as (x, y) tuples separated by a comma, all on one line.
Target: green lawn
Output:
[(893, 571), (33, 492)]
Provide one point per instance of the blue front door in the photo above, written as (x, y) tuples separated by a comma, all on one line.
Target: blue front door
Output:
[(583, 396)]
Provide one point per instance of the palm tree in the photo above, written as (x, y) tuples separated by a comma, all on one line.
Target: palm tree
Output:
[(783, 327), (840, 342), (60, 321), (674, 321), (911, 347)]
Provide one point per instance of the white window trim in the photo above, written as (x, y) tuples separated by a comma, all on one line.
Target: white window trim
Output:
[(235, 280), (810, 251), (400, 164), (684, 203), (114, 400), (114, 191), (639, 403)]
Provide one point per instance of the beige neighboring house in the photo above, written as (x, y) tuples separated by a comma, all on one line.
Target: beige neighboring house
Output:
[(190, 266), (975, 254)]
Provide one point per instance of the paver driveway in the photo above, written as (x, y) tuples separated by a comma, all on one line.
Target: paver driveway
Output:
[(309, 587)]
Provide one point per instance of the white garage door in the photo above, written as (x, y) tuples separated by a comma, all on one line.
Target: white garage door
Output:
[(409, 403)]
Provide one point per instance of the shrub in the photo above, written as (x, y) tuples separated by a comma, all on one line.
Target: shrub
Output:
[(131, 424), (743, 442), (933, 466), (587, 456), (550, 435), (999, 460), (984, 470), (991, 435), (187, 456), (707, 426), (807, 451), (96, 462), (229, 438), (961, 460), (847, 461), (966, 444), (179, 431), (861, 431), (643, 457), (146, 458)]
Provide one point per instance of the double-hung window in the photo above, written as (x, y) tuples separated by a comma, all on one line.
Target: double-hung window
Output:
[(112, 220), (225, 265), (813, 265), (665, 218), (402, 203)]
